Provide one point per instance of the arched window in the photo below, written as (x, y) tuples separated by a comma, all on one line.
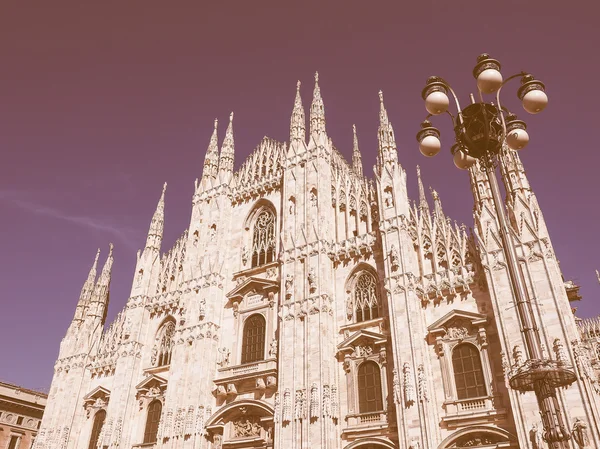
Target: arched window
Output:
[(253, 346), (468, 375), (263, 239), (369, 388), (152, 421), (165, 343), (96, 428), (366, 304)]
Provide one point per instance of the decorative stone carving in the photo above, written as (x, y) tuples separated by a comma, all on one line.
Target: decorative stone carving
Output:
[(505, 364), (217, 441), (313, 197), (362, 351), (273, 348), (326, 401), (458, 330), (225, 354), (422, 383), (246, 426), (312, 280), (559, 352), (245, 256), (396, 386), (289, 284), (199, 427), (335, 408), (388, 199), (300, 404), (584, 367), (271, 381), (202, 309), (517, 357), (580, 434), (394, 259), (535, 437), (276, 408), (287, 405), (349, 308), (409, 386), (260, 384), (314, 400)]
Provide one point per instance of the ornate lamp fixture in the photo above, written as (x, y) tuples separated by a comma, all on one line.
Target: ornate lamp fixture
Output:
[(482, 130)]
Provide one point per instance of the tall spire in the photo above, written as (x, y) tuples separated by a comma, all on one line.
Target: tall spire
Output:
[(88, 285), (437, 204), (317, 110), (155, 233), (356, 157), (227, 149), (298, 120), (211, 161), (423, 204), (387, 141), (100, 299)]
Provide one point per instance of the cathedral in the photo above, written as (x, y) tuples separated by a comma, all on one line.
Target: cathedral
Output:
[(308, 305)]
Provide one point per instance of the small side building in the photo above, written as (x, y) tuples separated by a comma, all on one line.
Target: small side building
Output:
[(21, 413)]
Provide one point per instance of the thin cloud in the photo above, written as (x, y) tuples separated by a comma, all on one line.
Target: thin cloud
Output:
[(123, 234)]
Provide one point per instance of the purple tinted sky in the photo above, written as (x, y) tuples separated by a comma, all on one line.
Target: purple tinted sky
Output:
[(100, 104)]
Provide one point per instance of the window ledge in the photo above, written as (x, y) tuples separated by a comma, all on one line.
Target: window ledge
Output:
[(157, 369), (472, 411), (144, 445), (250, 271), (247, 370), (364, 424), (362, 325)]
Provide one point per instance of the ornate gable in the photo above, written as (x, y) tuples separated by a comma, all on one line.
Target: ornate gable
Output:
[(95, 400), (151, 388), (253, 292)]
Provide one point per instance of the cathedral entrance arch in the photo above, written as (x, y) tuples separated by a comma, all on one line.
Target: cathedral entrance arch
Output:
[(372, 443), (241, 424), (480, 437)]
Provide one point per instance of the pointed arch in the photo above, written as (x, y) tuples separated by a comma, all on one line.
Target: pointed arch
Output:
[(262, 224), (163, 346), (99, 419), (364, 300)]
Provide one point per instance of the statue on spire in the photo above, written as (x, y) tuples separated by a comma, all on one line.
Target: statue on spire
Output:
[(386, 139), (317, 110), (423, 204), (298, 120), (155, 233), (211, 161), (356, 156)]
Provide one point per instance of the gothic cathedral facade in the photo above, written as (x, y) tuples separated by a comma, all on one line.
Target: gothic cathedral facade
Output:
[(308, 306)]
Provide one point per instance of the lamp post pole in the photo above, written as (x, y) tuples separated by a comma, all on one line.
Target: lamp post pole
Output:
[(482, 133)]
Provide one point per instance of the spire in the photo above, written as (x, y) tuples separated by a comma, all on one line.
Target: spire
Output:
[(101, 292), (88, 285), (212, 155), (423, 204), (437, 204), (356, 157), (317, 110), (155, 233), (227, 149), (387, 141), (298, 120)]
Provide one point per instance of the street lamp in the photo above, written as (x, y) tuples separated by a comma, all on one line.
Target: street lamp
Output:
[(482, 130)]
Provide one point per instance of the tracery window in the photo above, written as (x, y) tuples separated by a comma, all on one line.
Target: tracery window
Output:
[(165, 343), (97, 428), (366, 303), (152, 421), (263, 239), (253, 345), (468, 374), (370, 398)]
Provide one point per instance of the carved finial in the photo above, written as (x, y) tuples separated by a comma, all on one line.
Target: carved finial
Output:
[(231, 117), (423, 204), (216, 123), (317, 110), (598, 276), (155, 232), (437, 205), (163, 192), (298, 121), (227, 149), (211, 161), (387, 142), (381, 96), (356, 156)]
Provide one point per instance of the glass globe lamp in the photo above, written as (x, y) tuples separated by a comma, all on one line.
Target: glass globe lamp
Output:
[(429, 139), (435, 96), (461, 159), (532, 94), (517, 137), (487, 73)]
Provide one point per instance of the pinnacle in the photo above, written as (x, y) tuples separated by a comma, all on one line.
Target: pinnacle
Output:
[(423, 204)]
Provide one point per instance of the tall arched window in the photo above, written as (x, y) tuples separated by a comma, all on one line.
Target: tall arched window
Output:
[(165, 343), (369, 388), (253, 346), (152, 421), (366, 303), (97, 428), (263, 239), (468, 375)]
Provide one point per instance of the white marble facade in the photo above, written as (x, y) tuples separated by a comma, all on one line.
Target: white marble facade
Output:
[(308, 306)]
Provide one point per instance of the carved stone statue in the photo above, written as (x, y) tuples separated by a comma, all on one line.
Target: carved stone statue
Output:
[(535, 437), (580, 433), (273, 348), (245, 255), (289, 283), (394, 259), (225, 353), (312, 280), (387, 197)]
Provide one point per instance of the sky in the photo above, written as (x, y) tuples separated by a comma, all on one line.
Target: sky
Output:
[(102, 102)]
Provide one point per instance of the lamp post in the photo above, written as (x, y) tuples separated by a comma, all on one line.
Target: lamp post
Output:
[(482, 130)]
